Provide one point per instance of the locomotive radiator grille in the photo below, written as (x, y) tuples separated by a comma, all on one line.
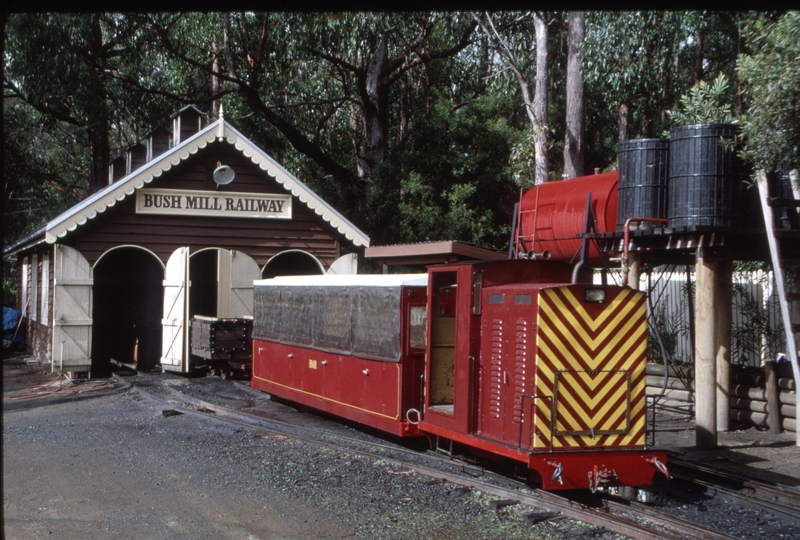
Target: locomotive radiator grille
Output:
[(496, 375), (591, 360), (520, 368)]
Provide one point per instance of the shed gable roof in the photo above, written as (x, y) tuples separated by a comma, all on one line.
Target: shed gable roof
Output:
[(106, 198)]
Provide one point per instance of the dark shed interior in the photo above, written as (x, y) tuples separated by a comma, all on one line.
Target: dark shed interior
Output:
[(127, 304)]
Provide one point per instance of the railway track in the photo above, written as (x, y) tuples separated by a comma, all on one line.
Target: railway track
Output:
[(632, 519), (780, 501)]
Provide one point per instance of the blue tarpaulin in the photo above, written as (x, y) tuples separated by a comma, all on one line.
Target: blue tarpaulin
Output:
[(10, 321)]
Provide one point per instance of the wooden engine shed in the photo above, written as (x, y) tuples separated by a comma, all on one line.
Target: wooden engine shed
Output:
[(186, 224)]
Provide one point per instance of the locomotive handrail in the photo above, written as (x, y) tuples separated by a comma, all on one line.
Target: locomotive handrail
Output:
[(626, 241), (532, 399), (414, 411)]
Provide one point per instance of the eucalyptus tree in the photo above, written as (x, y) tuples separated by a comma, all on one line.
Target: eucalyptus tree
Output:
[(528, 61), (574, 143), (331, 83), (66, 67), (633, 58), (769, 72)]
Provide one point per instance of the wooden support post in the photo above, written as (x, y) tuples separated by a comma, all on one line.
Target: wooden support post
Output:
[(634, 269), (723, 314), (705, 358), (773, 398)]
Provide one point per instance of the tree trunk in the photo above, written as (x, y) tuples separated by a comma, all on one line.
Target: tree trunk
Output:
[(215, 78), (540, 100), (98, 154), (98, 120), (698, 57), (375, 100), (622, 121), (574, 139)]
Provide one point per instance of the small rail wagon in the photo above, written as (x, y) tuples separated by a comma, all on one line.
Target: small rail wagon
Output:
[(507, 358), (223, 345)]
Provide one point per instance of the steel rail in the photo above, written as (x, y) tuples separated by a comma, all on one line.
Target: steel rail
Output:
[(664, 526), (772, 498)]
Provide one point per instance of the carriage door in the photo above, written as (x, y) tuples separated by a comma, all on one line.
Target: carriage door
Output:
[(72, 311), (176, 309)]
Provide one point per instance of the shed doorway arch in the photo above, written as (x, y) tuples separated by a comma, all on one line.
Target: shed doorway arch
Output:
[(221, 283), (211, 282), (127, 301), (292, 262)]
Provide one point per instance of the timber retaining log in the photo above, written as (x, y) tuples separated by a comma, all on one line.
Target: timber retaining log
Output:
[(748, 395)]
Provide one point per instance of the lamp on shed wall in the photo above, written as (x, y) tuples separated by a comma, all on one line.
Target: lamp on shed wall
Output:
[(223, 175)]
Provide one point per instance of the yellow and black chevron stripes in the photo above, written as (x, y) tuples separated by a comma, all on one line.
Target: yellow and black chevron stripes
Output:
[(591, 360)]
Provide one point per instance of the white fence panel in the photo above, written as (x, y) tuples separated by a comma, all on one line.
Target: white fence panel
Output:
[(757, 328)]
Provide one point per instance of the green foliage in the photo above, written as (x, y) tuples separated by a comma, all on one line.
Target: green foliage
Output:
[(455, 179), (770, 73), (646, 60), (9, 285), (704, 105), (757, 338), (44, 169), (666, 330), (455, 145), (630, 56), (72, 95)]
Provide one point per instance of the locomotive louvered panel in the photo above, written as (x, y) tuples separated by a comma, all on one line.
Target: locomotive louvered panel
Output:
[(520, 368), (496, 375), (590, 359)]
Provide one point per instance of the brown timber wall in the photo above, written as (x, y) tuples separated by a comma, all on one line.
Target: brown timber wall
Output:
[(39, 333), (163, 234)]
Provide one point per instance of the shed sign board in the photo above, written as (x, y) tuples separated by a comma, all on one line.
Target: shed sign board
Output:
[(181, 202)]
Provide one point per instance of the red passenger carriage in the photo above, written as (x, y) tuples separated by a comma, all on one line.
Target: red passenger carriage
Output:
[(352, 346), (507, 357)]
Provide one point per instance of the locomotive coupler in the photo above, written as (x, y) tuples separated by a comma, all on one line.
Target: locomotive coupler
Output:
[(599, 478), (658, 465), (558, 472)]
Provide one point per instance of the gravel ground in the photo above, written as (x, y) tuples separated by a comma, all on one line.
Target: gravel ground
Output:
[(113, 464), (744, 450), (119, 463)]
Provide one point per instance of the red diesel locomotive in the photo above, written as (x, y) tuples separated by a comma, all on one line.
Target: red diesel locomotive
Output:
[(506, 357)]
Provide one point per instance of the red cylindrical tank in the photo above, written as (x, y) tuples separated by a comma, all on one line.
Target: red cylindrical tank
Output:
[(551, 216)]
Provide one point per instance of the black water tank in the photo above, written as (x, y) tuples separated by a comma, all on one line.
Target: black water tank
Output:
[(642, 181), (705, 177)]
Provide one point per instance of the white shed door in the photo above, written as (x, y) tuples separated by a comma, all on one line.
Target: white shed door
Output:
[(176, 308), (72, 311), (346, 264), (244, 271)]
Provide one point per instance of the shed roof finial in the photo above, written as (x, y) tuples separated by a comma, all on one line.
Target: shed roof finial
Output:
[(220, 133)]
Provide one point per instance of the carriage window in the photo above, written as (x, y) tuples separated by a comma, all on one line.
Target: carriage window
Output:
[(447, 301), (497, 299), (522, 299), (477, 287), (418, 319)]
